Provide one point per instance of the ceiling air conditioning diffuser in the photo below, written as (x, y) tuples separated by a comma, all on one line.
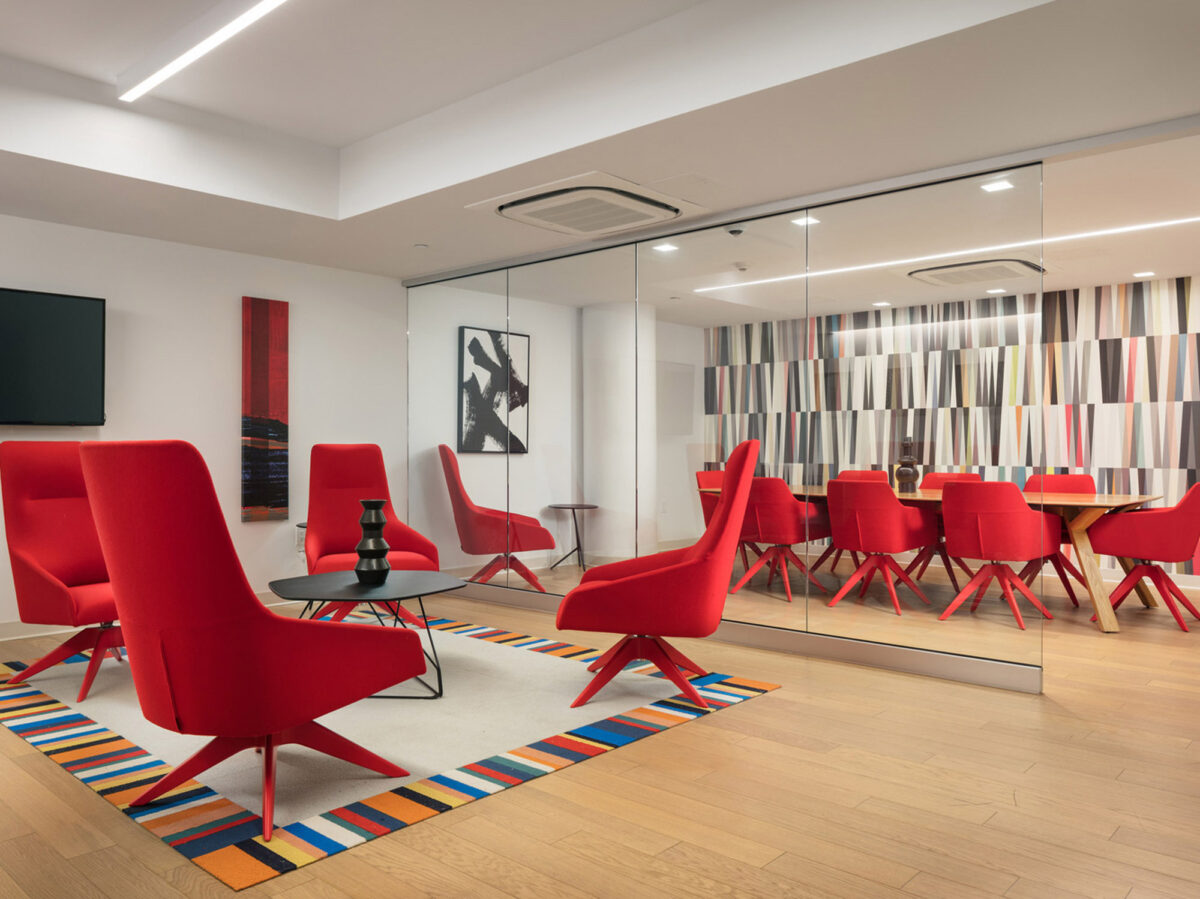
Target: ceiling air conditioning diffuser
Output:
[(975, 272), (588, 211)]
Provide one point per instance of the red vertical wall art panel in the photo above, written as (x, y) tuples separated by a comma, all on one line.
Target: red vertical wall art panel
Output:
[(264, 409)]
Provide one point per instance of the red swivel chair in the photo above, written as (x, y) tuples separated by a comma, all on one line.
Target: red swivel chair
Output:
[(712, 480), (482, 531), (866, 517), (58, 569), (207, 657), (991, 521), (936, 480), (1058, 483), (866, 474), (339, 476), (1152, 535), (778, 519), (678, 593)]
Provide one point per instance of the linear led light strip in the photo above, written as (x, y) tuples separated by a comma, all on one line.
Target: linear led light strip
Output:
[(1127, 229), (205, 34)]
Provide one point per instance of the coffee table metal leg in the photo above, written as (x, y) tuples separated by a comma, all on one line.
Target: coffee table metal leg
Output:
[(430, 654)]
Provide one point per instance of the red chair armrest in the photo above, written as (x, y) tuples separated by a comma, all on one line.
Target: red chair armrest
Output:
[(402, 537), (41, 597), (644, 603)]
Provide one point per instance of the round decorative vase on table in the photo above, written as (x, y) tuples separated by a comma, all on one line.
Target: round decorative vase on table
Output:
[(372, 566), (906, 471)]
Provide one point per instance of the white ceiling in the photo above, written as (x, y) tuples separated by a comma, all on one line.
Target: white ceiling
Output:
[(725, 105), (328, 71)]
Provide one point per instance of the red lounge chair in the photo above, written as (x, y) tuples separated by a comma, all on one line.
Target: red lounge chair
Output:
[(58, 569), (776, 518), (1152, 535), (678, 593), (991, 521), (207, 657), (852, 474), (339, 475), (482, 531), (866, 517)]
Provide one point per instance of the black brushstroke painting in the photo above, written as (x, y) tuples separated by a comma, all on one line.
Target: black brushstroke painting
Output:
[(493, 394)]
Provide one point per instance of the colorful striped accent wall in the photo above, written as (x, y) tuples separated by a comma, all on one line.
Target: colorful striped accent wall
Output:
[(1103, 380)]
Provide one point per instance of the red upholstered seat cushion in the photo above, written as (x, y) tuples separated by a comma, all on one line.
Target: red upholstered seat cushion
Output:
[(94, 603), (399, 560)]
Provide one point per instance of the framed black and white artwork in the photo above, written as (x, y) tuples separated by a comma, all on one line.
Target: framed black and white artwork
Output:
[(493, 391)]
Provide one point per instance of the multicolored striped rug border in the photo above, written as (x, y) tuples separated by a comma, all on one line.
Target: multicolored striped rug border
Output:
[(226, 840)]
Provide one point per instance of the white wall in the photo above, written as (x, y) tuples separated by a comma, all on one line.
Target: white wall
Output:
[(173, 367), (549, 472), (680, 391)]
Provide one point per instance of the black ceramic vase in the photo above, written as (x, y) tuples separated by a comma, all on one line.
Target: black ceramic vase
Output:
[(372, 567), (906, 471)]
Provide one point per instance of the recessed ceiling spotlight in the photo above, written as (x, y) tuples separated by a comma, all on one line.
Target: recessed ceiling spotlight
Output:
[(207, 33), (420, 246), (997, 290), (806, 220), (992, 186), (1143, 274), (666, 248), (881, 303)]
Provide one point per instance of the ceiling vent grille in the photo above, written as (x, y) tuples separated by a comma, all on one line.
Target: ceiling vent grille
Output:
[(588, 211), (976, 272)]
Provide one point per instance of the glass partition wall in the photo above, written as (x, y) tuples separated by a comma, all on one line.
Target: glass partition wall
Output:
[(833, 335)]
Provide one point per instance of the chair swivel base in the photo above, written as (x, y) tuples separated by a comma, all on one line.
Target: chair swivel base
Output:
[(313, 735), (100, 640), (1062, 565), (1008, 579), (779, 557), (886, 566), (655, 650), (501, 562), (922, 559), (1167, 588)]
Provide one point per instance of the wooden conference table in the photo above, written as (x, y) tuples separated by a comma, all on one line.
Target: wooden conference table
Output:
[(1079, 511)]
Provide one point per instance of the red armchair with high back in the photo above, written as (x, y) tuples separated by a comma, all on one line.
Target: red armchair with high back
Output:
[(58, 569), (866, 517), (1150, 536), (482, 531), (991, 521), (936, 480), (207, 657), (1057, 483), (678, 593), (339, 476), (779, 520)]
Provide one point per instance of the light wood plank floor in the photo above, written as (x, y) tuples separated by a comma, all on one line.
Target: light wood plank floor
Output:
[(848, 782)]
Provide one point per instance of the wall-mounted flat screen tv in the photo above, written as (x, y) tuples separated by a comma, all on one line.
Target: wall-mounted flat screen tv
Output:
[(51, 359)]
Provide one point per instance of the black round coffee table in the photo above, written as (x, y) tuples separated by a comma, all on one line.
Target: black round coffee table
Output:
[(578, 550), (343, 586)]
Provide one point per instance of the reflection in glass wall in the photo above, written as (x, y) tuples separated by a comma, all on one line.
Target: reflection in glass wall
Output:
[(460, 409), (579, 476), (902, 337)]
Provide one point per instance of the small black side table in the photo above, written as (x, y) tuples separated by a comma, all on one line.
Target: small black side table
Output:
[(343, 586), (578, 550)]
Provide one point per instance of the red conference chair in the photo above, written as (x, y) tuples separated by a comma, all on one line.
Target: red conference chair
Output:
[(936, 480), (207, 657), (866, 474), (678, 593), (712, 480), (482, 531), (1057, 483), (340, 475), (991, 521), (866, 517), (776, 518), (57, 567), (1151, 536)]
